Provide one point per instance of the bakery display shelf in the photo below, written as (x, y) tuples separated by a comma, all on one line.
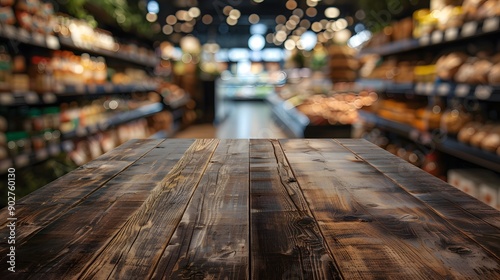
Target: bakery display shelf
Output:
[(118, 119), (31, 98), (21, 35), (31, 158), (297, 125), (469, 30), (448, 145), (132, 58), (383, 86)]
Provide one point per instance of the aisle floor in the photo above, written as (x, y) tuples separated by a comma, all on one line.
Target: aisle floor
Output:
[(246, 120)]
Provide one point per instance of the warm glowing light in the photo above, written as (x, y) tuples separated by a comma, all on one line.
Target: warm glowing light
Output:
[(289, 44), (194, 12), (298, 12), (151, 17), (311, 12), (332, 12), (281, 19), (207, 19), (235, 14), (167, 29), (253, 18), (316, 27), (226, 10), (291, 4), (231, 21), (171, 19)]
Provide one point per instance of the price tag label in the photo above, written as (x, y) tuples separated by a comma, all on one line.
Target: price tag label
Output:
[(462, 90), (54, 150), (491, 24), (7, 98), (49, 98), (424, 40), (108, 87), (420, 88), (5, 164), (41, 155), (483, 92), (31, 97), (80, 88), (451, 34), (437, 37), (429, 89), (443, 89), (22, 161), (10, 31), (52, 42), (92, 88), (24, 35), (39, 39), (469, 29)]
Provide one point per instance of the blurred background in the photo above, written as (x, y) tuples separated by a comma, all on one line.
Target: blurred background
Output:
[(419, 78)]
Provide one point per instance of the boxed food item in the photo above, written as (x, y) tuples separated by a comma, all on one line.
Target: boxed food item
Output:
[(479, 183)]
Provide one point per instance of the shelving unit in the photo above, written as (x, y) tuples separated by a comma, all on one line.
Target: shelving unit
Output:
[(438, 38), (17, 36), (487, 29), (447, 145)]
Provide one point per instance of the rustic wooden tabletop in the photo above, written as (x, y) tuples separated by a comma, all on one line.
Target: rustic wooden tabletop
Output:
[(251, 209)]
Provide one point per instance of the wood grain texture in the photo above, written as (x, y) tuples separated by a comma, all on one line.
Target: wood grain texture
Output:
[(285, 239), (212, 239), (50, 202), (137, 247), (252, 209), (77, 236), (478, 220), (376, 228)]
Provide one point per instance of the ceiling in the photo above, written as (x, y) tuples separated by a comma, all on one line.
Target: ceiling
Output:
[(228, 36)]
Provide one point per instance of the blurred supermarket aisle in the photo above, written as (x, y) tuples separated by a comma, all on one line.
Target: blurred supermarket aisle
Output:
[(246, 119)]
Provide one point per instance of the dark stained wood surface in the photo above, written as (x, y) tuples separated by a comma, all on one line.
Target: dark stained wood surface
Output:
[(251, 209)]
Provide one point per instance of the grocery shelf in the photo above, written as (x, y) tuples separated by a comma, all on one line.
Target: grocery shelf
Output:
[(120, 118), (32, 158), (469, 30), (32, 98), (447, 145), (438, 88), (130, 58), (55, 43), (23, 36)]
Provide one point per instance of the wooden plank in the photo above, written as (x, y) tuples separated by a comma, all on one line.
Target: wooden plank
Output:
[(211, 241), (70, 243), (480, 221), (285, 239), (48, 203), (136, 248), (376, 228)]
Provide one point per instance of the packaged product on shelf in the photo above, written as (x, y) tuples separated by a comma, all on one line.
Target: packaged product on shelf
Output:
[(5, 69), (7, 15), (41, 75), (479, 183)]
